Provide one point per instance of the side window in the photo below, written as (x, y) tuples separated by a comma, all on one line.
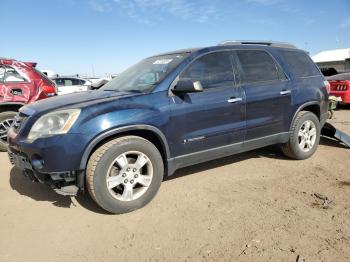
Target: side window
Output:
[(212, 70), (68, 82), (75, 82), (59, 82), (257, 66), (12, 76), (82, 82), (2, 74), (299, 63)]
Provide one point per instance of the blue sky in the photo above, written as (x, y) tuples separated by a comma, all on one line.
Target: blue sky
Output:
[(74, 36)]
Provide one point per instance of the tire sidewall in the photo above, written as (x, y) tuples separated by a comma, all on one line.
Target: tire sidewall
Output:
[(295, 139), (103, 196), (4, 116)]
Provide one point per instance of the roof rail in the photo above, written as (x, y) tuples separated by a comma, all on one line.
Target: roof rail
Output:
[(266, 43)]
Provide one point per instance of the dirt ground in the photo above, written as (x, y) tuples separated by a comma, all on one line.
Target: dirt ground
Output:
[(256, 206)]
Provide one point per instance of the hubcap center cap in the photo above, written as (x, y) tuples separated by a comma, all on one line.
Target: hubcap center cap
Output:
[(130, 174)]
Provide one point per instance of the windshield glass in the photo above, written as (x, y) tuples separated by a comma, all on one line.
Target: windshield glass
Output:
[(145, 75)]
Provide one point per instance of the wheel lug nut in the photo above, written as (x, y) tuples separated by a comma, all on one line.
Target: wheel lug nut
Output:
[(124, 175), (134, 170), (131, 181), (136, 176), (128, 169), (125, 181)]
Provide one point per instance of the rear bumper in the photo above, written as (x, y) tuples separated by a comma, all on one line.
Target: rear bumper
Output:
[(344, 95)]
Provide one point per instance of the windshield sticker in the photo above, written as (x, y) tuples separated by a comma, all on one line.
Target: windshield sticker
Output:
[(162, 61)]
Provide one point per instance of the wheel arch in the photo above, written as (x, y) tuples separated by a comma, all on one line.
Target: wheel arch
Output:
[(150, 133), (312, 106)]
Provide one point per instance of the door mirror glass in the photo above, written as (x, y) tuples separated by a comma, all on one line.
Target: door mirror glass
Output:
[(187, 86)]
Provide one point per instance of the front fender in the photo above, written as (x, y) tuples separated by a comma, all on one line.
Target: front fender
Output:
[(119, 130)]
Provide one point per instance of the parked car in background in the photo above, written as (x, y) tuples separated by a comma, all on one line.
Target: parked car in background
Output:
[(171, 111), (20, 84), (100, 82), (68, 85), (340, 87)]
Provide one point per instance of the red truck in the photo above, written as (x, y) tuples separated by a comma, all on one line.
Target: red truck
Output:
[(20, 84)]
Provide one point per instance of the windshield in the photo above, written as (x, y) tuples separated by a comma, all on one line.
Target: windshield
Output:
[(145, 75)]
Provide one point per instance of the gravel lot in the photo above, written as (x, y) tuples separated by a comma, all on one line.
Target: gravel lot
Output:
[(256, 206)]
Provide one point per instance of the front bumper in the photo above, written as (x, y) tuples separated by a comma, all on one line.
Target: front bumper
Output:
[(60, 153), (52, 160), (64, 183)]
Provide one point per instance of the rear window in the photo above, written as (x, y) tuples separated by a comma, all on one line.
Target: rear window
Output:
[(300, 64), (257, 66)]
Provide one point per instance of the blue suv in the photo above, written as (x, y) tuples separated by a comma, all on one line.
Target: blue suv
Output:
[(171, 111)]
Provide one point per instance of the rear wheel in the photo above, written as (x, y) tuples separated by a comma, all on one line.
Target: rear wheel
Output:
[(6, 120), (124, 174), (304, 136)]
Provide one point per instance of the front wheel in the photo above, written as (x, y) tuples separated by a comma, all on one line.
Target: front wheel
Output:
[(6, 120), (124, 174), (304, 136)]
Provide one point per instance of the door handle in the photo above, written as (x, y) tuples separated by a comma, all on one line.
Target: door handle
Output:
[(285, 92), (235, 100)]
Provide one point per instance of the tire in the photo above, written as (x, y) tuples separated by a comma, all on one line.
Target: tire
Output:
[(294, 148), (109, 166), (6, 119)]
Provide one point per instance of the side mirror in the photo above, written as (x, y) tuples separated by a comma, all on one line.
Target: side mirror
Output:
[(187, 86)]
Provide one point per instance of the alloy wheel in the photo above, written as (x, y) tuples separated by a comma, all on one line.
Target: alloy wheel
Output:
[(4, 128), (307, 136), (129, 176)]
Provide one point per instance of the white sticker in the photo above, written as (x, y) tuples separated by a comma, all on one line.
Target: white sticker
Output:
[(162, 61)]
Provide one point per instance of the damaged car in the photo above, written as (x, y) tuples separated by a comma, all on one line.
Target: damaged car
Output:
[(20, 83), (170, 111)]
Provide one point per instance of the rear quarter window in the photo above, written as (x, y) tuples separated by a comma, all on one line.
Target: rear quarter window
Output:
[(300, 64)]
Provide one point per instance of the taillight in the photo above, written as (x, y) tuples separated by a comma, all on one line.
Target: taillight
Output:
[(49, 90), (328, 86)]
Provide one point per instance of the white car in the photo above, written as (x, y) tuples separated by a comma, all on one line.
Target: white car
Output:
[(68, 85)]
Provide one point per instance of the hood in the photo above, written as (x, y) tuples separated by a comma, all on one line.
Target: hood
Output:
[(75, 100)]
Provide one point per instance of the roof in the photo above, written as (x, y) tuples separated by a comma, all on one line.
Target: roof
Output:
[(258, 42), (236, 43), (332, 55)]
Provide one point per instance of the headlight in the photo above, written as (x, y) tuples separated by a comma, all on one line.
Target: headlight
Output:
[(58, 122)]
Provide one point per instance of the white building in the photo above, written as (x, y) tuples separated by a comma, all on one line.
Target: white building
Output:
[(339, 59)]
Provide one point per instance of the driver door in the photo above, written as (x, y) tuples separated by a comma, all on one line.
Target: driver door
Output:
[(212, 120)]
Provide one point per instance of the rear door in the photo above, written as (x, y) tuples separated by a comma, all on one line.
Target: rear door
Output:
[(268, 93), (210, 119)]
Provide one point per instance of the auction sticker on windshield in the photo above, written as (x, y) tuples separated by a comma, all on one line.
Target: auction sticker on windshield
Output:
[(162, 61)]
